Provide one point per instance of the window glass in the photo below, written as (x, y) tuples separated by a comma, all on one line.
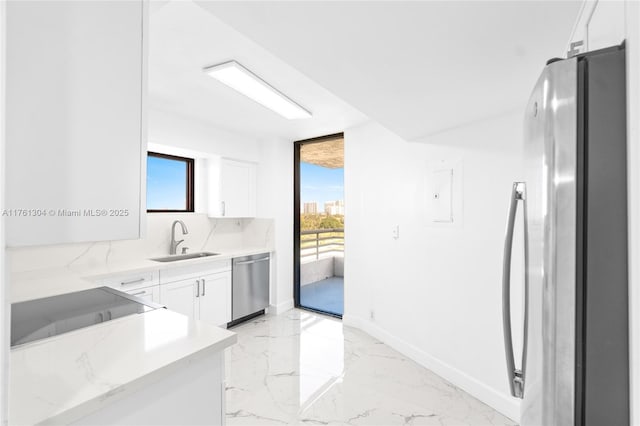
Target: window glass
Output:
[(169, 183)]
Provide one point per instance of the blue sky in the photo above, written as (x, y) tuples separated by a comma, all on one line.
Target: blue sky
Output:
[(166, 184), (320, 184)]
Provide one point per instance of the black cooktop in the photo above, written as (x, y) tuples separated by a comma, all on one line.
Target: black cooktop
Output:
[(41, 318)]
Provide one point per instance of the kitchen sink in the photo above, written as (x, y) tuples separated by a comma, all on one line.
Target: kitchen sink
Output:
[(176, 257)]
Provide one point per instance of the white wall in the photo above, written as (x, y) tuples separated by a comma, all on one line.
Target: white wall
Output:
[(275, 200), (435, 292), (183, 132)]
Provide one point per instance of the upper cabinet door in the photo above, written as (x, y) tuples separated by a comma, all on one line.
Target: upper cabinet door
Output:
[(236, 184), (76, 83)]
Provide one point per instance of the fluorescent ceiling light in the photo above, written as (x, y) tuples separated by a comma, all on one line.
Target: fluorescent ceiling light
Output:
[(244, 81)]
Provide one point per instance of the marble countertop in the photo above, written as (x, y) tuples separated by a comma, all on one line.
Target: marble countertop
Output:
[(39, 283), (64, 378)]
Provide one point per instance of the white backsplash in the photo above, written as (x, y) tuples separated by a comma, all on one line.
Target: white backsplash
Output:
[(205, 234)]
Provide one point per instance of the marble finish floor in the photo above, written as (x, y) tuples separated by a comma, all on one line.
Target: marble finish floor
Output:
[(304, 368)]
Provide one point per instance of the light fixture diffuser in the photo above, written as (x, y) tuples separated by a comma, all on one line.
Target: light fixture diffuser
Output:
[(244, 81)]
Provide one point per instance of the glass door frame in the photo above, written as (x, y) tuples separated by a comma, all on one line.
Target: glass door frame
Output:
[(296, 219)]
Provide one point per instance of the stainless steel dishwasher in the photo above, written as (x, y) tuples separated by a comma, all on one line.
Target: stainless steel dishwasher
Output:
[(250, 293)]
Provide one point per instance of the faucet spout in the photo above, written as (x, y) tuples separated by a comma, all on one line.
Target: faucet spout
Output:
[(174, 244)]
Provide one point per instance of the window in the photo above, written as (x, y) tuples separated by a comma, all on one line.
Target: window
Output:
[(169, 183)]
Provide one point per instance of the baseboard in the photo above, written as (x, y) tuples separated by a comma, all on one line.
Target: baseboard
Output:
[(490, 396), (281, 307)]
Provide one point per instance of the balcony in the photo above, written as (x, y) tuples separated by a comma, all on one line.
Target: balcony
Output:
[(322, 270)]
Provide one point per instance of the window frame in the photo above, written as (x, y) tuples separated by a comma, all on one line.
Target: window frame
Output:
[(190, 204)]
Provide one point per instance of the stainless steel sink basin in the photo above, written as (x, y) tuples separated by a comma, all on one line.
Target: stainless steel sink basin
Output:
[(176, 257)]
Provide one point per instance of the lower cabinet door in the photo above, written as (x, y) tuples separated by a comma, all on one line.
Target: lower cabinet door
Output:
[(180, 296), (215, 298)]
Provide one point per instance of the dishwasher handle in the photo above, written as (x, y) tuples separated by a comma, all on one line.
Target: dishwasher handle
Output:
[(249, 262)]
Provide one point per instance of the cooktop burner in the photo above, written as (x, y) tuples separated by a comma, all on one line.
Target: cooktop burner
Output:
[(41, 318)]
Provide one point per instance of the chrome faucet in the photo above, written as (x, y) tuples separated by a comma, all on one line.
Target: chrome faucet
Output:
[(174, 243)]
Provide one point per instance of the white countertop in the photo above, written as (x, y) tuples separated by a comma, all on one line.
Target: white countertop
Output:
[(40, 283), (63, 378)]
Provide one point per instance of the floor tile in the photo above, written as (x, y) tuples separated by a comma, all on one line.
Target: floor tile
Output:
[(304, 368)]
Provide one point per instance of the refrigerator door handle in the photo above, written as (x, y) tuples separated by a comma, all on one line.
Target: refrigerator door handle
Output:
[(516, 376)]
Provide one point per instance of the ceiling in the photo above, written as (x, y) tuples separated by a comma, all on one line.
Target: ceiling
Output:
[(416, 67), (184, 38), (327, 153)]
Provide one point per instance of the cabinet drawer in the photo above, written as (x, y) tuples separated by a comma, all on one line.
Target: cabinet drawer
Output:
[(151, 293), (130, 282), (194, 271)]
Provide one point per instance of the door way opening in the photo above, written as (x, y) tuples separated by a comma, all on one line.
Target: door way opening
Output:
[(319, 224)]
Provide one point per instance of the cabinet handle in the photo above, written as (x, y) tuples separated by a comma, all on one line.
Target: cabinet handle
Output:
[(110, 316), (138, 293), (197, 288), (224, 208), (101, 316), (139, 280), (204, 286)]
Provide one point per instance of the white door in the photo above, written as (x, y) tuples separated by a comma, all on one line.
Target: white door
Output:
[(215, 298), (180, 296)]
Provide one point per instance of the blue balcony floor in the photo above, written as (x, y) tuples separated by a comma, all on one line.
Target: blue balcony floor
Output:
[(326, 295)]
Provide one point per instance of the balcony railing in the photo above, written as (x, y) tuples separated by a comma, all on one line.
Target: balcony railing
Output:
[(316, 242)]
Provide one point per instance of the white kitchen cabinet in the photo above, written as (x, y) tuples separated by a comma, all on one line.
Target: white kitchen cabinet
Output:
[(131, 281), (180, 296), (233, 188), (151, 294), (144, 285), (194, 270), (215, 299), (201, 291), (207, 298), (75, 93)]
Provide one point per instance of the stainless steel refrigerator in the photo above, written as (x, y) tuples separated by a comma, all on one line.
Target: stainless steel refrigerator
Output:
[(574, 368)]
